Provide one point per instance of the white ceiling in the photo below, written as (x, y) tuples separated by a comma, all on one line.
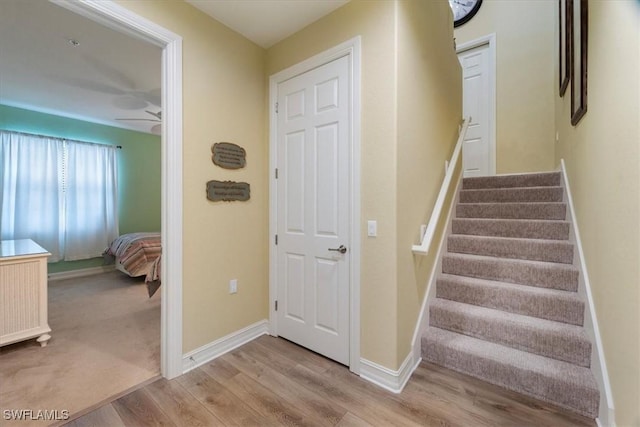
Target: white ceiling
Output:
[(109, 75), (266, 22)]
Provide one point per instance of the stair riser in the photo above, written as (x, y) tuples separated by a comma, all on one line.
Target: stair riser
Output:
[(553, 344), (534, 250), (582, 400), (551, 211), (510, 195), (506, 181), (514, 300), (517, 229), (513, 272)]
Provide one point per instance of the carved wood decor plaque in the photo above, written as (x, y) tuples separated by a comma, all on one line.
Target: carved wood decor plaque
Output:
[(228, 155), (228, 191)]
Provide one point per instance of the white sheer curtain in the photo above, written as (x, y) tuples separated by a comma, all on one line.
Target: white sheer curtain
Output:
[(91, 209), (31, 190), (62, 194)]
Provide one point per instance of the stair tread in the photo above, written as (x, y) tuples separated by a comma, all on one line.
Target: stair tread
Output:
[(512, 318), (548, 250), (509, 203), (551, 229), (511, 194), (544, 303), (535, 290), (537, 187), (513, 239), (509, 180), (527, 262), (561, 383), (533, 210), (514, 220), (557, 370), (502, 239)]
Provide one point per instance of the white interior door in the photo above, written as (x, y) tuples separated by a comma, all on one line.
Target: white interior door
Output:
[(476, 148), (313, 160)]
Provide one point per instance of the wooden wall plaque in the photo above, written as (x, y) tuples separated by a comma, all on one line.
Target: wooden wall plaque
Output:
[(228, 191), (228, 155)]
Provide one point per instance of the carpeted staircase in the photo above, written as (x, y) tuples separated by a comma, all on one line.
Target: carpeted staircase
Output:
[(507, 309)]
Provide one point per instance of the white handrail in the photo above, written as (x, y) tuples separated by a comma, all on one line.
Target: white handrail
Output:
[(423, 247)]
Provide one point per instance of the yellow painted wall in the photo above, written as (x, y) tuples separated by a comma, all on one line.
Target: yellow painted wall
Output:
[(602, 156), (223, 94), (225, 90), (374, 21), (525, 79), (411, 108), (429, 112)]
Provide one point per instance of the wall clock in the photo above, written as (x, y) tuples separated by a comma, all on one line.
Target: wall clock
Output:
[(464, 10)]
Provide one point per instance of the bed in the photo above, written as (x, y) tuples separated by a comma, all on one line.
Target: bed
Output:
[(137, 254)]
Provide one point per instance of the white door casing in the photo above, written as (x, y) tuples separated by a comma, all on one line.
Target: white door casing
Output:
[(313, 210), (119, 18), (477, 60), (314, 204)]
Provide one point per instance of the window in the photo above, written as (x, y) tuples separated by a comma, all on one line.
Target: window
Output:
[(60, 193)]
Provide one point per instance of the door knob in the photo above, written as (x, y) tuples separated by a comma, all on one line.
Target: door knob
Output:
[(342, 249)]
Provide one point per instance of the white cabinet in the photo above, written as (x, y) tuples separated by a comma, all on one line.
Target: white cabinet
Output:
[(23, 292)]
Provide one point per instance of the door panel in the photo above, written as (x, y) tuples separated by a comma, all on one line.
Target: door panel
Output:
[(313, 209), (475, 77)]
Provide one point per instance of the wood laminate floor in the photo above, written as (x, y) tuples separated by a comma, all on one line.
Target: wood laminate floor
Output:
[(272, 382)]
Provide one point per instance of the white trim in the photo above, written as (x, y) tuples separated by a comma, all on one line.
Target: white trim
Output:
[(429, 293), (82, 272), (352, 49), (391, 380), (217, 348), (109, 13), (436, 213), (489, 39), (598, 363)]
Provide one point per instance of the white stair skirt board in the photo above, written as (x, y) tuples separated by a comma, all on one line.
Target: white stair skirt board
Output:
[(430, 292), (217, 348), (391, 380), (598, 365), (71, 274)]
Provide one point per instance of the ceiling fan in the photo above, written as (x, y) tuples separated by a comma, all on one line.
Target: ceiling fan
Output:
[(157, 118)]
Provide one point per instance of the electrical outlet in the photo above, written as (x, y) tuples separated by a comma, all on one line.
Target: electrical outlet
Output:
[(233, 286)]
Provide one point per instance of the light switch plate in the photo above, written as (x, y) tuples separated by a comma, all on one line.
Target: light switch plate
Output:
[(372, 228)]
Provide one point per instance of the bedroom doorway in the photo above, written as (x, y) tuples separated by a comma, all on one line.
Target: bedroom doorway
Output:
[(101, 342), (110, 14)]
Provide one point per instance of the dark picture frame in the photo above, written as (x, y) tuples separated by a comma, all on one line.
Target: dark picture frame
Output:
[(579, 47), (564, 45)]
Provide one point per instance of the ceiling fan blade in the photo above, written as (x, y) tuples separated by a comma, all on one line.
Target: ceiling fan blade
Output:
[(152, 97), (157, 115), (140, 120)]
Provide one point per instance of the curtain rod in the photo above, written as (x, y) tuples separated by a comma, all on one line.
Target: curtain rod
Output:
[(64, 139)]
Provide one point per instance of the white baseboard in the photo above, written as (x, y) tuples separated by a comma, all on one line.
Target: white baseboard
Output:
[(391, 380), (71, 274), (223, 345)]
